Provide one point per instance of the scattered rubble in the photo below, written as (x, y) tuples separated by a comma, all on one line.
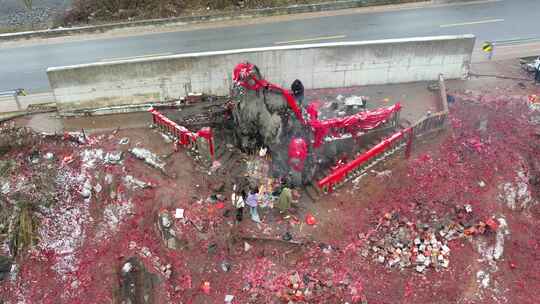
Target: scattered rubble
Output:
[(179, 214), (132, 182), (169, 233), (13, 137), (483, 278), (86, 190), (49, 156), (113, 215), (516, 195), (148, 157), (76, 137), (123, 141), (113, 157), (400, 243), (5, 188)]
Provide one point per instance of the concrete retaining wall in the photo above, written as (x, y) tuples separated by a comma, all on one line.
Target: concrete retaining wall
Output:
[(328, 65)]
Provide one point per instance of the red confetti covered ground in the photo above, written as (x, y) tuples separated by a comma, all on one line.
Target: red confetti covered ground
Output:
[(488, 159)]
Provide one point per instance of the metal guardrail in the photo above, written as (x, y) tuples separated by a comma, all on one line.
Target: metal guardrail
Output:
[(430, 123), (15, 93), (389, 146), (365, 161), (386, 148), (181, 135)]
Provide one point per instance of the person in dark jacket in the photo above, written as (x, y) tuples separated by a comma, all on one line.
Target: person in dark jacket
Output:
[(537, 73), (297, 89)]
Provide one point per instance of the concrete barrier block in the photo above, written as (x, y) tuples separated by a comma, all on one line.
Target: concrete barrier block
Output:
[(356, 76), (329, 80), (324, 65)]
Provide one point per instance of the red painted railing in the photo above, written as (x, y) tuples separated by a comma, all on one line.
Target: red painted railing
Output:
[(181, 134), (340, 173)]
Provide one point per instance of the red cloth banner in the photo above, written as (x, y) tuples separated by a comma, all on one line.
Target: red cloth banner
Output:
[(361, 121), (244, 75), (297, 153)]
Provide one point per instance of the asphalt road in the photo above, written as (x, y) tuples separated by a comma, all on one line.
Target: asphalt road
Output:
[(489, 20)]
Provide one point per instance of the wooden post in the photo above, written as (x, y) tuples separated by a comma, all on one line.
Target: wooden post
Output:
[(409, 142), (16, 96)]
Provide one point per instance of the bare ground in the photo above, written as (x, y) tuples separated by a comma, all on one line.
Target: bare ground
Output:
[(490, 140)]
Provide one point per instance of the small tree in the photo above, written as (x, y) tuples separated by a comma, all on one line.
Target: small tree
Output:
[(27, 3)]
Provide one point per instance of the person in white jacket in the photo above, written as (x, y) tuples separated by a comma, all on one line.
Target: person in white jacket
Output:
[(238, 203)]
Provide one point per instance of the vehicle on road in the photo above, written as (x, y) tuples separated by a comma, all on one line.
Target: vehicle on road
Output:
[(530, 64)]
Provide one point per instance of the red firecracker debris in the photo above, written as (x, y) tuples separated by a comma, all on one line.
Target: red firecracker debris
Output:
[(310, 219), (205, 287), (492, 224)]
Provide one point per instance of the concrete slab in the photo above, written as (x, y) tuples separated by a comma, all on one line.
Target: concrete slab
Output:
[(415, 97)]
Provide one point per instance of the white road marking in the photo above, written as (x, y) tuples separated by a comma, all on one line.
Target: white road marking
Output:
[(516, 41), (312, 39), (472, 22), (136, 57)]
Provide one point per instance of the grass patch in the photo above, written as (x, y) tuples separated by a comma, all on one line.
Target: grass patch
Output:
[(23, 228), (16, 29)]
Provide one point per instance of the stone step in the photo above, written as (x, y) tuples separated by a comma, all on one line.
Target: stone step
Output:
[(312, 192), (220, 151), (316, 189), (306, 193), (235, 168), (224, 159)]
